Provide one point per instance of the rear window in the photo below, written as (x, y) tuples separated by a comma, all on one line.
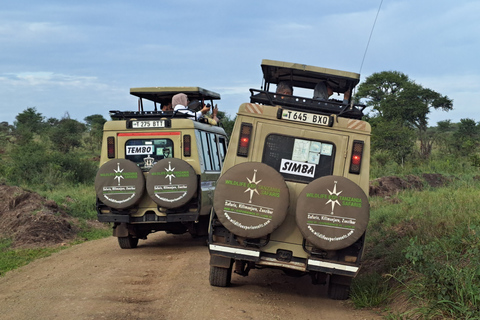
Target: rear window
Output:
[(146, 152), (299, 159)]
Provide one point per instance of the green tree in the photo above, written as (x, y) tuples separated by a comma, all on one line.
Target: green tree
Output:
[(67, 134), (27, 123), (94, 124), (395, 98), (226, 122), (466, 137)]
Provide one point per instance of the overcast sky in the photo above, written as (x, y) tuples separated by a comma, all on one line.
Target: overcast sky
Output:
[(82, 57)]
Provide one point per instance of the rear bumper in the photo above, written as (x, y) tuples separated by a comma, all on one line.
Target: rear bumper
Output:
[(300, 264), (148, 218)]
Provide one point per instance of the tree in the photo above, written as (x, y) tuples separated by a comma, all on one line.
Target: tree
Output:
[(395, 98), (67, 134), (226, 122), (95, 124), (27, 123)]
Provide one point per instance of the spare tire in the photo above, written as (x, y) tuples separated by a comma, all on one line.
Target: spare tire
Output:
[(251, 199), (332, 212), (119, 183), (171, 183)]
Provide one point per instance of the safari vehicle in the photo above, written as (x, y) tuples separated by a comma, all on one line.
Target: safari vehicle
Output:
[(292, 194), (158, 170)]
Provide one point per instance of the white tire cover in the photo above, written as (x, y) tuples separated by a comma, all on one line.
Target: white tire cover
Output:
[(171, 183), (251, 199), (119, 183), (332, 212)]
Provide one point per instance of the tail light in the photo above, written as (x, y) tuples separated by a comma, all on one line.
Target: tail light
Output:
[(111, 147), (356, 160), (244, 141), (187, 145)]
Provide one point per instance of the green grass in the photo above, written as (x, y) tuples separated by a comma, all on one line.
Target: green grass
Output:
[(11, 259), (428, 245)]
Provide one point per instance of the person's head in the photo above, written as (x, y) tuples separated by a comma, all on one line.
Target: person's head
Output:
[(322, 91), (167, 107), (284, 87), (180, 99)]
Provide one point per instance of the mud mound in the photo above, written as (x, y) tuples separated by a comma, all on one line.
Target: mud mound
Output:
[(388, 186), (31, 220)]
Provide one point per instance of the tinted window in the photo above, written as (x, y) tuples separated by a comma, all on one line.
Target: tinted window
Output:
[(146, 152), (298, 159)]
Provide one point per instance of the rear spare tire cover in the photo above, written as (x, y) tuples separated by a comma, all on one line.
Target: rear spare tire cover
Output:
[(119, 183), (171, 183), (251, 199), (332, 212)]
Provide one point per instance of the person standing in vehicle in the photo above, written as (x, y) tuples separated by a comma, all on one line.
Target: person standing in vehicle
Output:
[(323, 91), (285, 88), (180, 102)]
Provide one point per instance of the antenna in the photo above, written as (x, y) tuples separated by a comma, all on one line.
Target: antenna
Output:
[(371, 32)]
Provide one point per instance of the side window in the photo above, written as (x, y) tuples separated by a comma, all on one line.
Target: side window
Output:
[(205, 150), (298, 159), (214, 154), (222, 145), (146, 152)]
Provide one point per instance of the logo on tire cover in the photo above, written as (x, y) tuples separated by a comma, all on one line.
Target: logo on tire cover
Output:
[(340, 227), (171, 189), (235, 210), (119, 175)]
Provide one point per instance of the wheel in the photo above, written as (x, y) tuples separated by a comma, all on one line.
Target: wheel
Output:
[(338, 291), (251, 199), (119, 183), (128, 242), (171, 183), (332, 212), (220, 277)]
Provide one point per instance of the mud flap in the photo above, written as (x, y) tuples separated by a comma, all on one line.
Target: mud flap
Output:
[(219, 261), (120, 230)]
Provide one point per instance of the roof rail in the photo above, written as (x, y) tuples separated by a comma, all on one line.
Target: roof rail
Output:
[(353, 111)]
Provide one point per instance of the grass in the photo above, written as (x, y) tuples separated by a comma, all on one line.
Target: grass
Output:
[(425, 248), (11, 259)]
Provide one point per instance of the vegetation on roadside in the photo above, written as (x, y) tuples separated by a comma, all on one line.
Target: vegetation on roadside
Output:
[(422, 259)]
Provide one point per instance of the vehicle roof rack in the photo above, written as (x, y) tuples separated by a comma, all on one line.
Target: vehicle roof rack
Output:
[(126, 115), (353, 111), (165, 94)]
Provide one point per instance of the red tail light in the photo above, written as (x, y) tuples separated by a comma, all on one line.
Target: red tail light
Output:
[(356, 160), (244, 141), (111, 147), (187, 145)]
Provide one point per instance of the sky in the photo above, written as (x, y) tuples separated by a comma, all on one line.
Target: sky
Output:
[(79, 58)]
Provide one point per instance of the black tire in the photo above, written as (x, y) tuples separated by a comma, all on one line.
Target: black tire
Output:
[(220, 277), (251, 199), (332, 212), (171, 183), (338, 291), (119, 183), (128, 242)]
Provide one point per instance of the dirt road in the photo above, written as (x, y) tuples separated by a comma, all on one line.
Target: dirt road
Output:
[(166, 277)]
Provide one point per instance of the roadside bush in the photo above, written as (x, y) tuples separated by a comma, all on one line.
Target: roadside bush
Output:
[(33, 164)]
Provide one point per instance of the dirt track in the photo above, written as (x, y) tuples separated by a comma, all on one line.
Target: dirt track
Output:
[(166, 277)]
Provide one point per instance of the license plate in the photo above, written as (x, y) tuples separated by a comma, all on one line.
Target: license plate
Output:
[(306, 117), (148, 124)]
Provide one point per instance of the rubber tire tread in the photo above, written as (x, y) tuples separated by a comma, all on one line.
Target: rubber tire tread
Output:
[(338, 291), (220, 277), (128, 242)]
